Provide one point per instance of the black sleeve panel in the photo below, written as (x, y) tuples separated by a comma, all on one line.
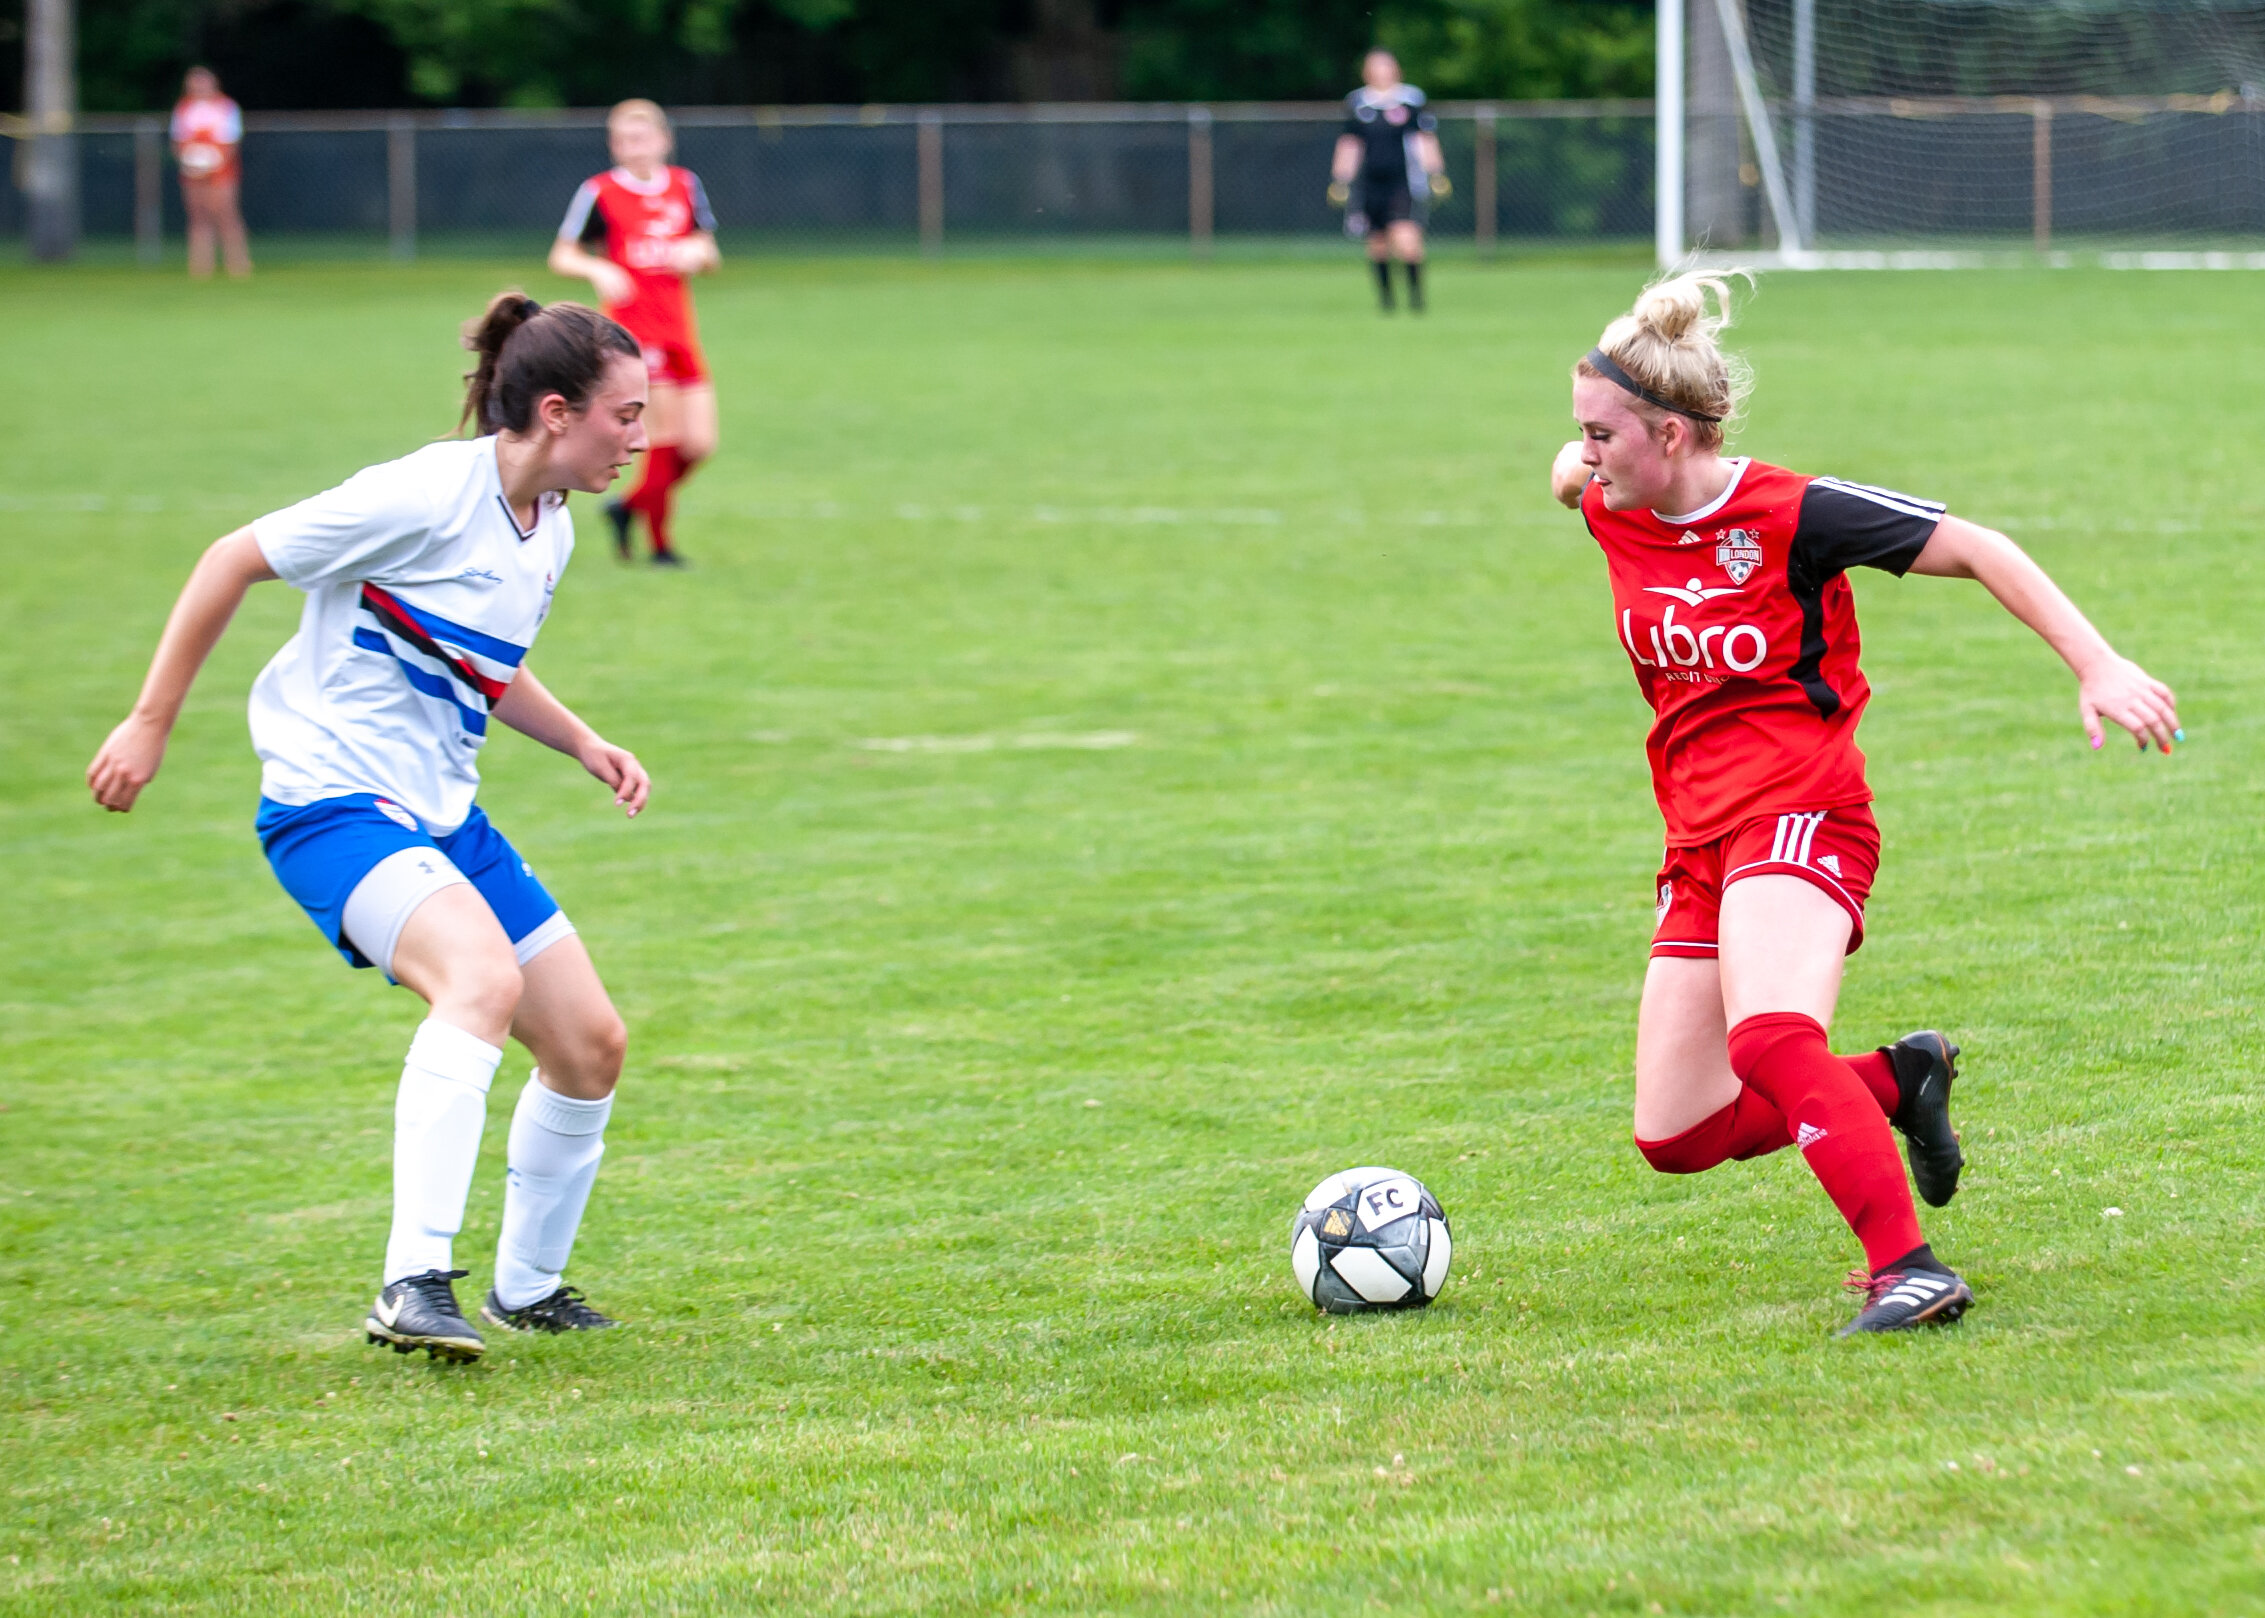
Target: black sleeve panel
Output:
[(1845, 525), (594, 228), (576, 225)]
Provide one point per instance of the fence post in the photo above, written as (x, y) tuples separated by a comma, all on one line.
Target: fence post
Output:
[(149, 190), (929, 145), (2041, 173), (401, 186), (1201, 199), (1483, 185)]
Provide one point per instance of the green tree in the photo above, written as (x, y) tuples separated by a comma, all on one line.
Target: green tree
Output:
[(329, 53), (1522, 49), (1243, 50)]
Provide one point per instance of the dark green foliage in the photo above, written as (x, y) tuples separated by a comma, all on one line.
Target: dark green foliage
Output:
[(343, 53), (1523, 49), (1245, 50)]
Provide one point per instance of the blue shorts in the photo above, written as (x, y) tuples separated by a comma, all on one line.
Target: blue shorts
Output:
[(322, 851)]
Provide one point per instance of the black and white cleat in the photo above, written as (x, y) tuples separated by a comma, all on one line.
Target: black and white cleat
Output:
[(1902, 1300), (419, 1311), (1925, 1064), (564, 1310)]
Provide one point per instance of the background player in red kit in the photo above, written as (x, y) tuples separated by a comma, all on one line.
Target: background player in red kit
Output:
[(653, 224), (1742, 631)]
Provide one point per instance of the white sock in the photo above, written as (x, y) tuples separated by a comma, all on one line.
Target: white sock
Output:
[(437, 1117), (556, 1142)]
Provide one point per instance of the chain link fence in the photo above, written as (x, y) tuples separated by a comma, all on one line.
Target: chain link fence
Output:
[(2017, 171), (884, 178)]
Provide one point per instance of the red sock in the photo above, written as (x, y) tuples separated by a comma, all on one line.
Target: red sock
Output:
[(664, 469), (1878, 1074), (1838, 1125), (1748, 1127)]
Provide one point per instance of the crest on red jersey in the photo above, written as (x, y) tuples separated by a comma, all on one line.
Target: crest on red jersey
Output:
[(1738, 554)]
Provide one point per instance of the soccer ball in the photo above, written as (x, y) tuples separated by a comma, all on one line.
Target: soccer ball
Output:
[(1370, 1239)]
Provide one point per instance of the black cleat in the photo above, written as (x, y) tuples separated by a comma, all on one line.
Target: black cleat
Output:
[(1925, 1064), (564, 1310), (1902, 1300), (668, 559), (618, 513), (419, 1311)]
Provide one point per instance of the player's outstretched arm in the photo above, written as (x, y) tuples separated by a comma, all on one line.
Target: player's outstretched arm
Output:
[(529, 708), (130, 757), (1568, 476), (2108, 684)]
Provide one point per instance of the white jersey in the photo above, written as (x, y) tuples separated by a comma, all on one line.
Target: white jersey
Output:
[(423, 597)]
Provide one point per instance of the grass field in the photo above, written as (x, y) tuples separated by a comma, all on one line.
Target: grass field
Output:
[(1138, 738)]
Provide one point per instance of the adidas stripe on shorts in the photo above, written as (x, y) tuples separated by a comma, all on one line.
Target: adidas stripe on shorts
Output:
[(1836, 851)]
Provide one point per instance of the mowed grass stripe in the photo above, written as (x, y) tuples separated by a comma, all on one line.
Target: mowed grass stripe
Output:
[(916, 1325)]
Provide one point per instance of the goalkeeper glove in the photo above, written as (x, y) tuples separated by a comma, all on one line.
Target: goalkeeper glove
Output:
[(1441, 187), (1339, 193)]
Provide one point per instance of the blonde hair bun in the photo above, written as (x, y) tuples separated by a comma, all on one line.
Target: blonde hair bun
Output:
[(1669, 343), (1674, 308)]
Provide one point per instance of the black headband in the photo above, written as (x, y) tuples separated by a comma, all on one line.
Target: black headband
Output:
[(1605, 366)]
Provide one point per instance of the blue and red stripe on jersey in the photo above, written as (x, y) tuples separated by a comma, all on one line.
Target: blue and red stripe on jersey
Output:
[(477, 665)]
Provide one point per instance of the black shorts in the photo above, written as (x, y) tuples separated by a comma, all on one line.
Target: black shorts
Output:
[(1383, 203)]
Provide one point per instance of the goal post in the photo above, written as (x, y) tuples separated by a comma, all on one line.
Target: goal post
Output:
[(1860, 133)]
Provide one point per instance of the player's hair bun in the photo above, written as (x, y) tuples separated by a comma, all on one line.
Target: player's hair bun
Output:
[(1673, 308), (527, 351), (1668, 343)]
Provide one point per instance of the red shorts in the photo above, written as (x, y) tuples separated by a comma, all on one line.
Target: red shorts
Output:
[(672, 349), (675, 359), (1835, 850)]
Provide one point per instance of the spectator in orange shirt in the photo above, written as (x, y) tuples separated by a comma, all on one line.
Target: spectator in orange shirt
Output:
[(208, 138)]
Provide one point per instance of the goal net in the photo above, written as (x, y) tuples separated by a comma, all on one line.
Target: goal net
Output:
[(1918, 131)]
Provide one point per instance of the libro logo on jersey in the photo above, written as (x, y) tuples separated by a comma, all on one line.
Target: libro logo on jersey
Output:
[(667, 219), (1742, 648)]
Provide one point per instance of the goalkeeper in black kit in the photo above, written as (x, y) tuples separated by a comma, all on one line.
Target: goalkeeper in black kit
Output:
[(1387, 172)]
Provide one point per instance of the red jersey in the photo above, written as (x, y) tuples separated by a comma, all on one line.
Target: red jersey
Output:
[(1742, 628), (638, 223)]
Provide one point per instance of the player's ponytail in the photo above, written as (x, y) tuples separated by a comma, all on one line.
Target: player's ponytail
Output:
[(1667, 352), (527, 351)]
